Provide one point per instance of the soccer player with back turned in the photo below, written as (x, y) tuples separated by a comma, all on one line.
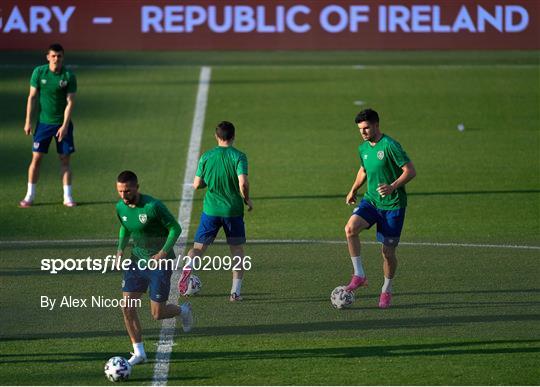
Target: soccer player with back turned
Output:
[(54, 88), (387, 168), (224, 172), (154, 231)]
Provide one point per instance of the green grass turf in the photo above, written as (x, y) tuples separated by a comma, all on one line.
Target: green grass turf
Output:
[(124, 119), (461, 315), (448, 326)]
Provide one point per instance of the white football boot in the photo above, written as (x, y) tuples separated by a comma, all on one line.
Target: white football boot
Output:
[(137, 359), (186, 316)]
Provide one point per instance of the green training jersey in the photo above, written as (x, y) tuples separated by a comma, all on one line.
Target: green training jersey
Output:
[(53, 90), (151, 226), (382, 163), (220, 168)]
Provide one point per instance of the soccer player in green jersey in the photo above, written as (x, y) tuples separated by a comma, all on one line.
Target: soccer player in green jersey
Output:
[(224, 172), (54, 87), (387, 168), (154, 231)]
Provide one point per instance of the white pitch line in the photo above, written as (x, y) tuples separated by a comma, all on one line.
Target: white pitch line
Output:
[(166, 336), (90, 242), (291, 66), (428, 244)]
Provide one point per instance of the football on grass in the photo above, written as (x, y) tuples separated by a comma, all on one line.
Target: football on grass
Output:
[(341, 297), (194, 285), (117, 369)]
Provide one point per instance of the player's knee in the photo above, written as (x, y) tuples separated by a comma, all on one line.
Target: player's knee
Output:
[(237, 251), (195, 252), (156, 315), (389, 253), (64, 160), (350, 230), (128, 311), (36, 159)]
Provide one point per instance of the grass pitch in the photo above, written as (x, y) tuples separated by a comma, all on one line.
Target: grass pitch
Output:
[(461, 315)]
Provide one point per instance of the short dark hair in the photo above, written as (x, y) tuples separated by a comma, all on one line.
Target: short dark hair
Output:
[(225, 131), (127, 177), (368, 115), (56, 47)]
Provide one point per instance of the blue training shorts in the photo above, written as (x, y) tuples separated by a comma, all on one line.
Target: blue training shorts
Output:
[(44, 134), (233, 226), (137, 280), (389, 222)]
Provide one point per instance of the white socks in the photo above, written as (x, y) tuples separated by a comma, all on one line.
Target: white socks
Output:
[(67, 194), (236, 286), (138, 349), (387, 286), (30, 192), (357, 265)]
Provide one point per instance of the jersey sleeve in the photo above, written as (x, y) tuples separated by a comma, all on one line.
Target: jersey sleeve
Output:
[(397, 154), (72, 84), (164, 215), (242, 166), (123, 234), (200, 167), (169, 222), (34, 80), (123, 238)]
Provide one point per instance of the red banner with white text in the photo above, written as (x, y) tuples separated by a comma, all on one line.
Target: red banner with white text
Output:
[(270, 25)]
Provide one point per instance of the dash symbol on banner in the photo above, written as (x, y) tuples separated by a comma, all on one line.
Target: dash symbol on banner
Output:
[(102, 20)]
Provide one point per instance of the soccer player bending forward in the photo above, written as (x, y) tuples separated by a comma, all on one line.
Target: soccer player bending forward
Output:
[(224, 172), (154, 231), (387, 168)]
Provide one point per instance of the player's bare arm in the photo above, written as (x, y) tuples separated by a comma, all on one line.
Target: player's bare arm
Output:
[(160, 255), (198, 183), (358, 182), (408, 174), (30, 108), (62, 131), (243, 183)]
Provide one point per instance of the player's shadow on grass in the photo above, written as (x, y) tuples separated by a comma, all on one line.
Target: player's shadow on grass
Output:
[(465, 305), (442, 193), (433, 349), (226, 295), (373, 324), (320, 326), (282, 300), (49, 357), (23, 272), (171, 378), (475, 291), (149, 332)]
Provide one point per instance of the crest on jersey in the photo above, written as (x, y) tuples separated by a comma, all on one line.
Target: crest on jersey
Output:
[(44, 81), (380, 155), (62, 83), (143, 218)]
